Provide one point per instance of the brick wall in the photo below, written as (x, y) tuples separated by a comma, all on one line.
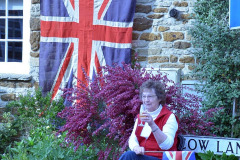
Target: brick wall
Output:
[(159, 39)]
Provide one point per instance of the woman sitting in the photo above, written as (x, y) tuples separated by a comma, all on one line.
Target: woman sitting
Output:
[(155, 129)]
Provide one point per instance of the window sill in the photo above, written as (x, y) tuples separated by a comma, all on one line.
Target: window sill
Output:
[(15, 77)]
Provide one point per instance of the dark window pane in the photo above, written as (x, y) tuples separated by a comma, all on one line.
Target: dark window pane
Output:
[(14, 51), (2, 12), (15, 28), (15, 13), (2, 28), (2, 51), (2, 7)]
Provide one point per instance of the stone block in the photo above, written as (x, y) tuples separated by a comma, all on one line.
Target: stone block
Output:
[(147, 52), (191, 67), (34, 40), (158, 59), (160, 44), (182, 45), (35, 1), (160, 10), (35, 10), (172, 36), (162, 28), (143, 8), (155, 51), (187, 59), (8, 97), (142, 58), (173, 58), (180, 4), (139, 44), (135, 36), (150, 36), (142, 52), (34, 54), (35, 24), (166, 45), (141, 24), (24, 85), (187, 16), (172, 66), (155, 16), (7, 84)]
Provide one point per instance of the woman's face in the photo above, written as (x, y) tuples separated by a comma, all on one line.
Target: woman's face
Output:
[(150, 100)]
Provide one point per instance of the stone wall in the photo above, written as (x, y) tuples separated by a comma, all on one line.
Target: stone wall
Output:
[(159, 39)]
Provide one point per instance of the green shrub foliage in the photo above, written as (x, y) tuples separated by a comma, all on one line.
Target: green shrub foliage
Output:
[(29, 131), (30, 112), (218, 54), (210, 155)]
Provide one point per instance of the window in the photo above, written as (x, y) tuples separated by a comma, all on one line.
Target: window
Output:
[(14, 36)]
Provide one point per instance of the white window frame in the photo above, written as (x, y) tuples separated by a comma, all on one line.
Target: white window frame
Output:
[(24, 66)]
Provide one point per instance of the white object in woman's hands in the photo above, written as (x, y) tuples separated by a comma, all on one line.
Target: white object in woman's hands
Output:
[(141, 115), (139, 150), (144, 115)]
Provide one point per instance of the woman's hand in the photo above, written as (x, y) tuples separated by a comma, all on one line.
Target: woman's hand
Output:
[(146, 117), (139, 150)]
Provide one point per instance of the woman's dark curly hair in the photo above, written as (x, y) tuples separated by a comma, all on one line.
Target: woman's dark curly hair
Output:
[(157, 86)]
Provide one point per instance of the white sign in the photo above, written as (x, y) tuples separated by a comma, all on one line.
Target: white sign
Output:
[(218, 145), (173, 74)]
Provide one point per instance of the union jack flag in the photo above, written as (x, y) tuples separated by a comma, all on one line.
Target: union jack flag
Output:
[(78, 34), (178, 155)]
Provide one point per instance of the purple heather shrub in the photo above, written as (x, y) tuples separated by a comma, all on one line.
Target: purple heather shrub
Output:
[(102, 114)]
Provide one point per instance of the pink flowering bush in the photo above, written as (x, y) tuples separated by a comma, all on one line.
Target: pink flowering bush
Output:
[(102, 114)]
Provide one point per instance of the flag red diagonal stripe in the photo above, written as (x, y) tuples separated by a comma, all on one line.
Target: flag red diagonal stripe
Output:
[(103, 6), (97, 64), (63, 69), (188, 155), (73, 3)]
